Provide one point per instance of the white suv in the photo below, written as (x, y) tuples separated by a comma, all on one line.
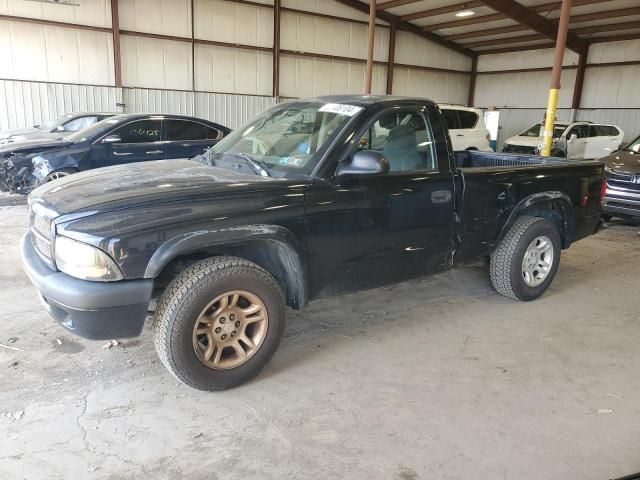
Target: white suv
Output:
[(466, 128), (576, 140)]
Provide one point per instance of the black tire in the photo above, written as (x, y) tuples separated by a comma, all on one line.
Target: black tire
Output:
[(606, 217), (63, 172), (506, 260), (184, 300)]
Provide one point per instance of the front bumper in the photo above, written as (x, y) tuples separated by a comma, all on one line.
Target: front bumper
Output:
[(621, 202), (93, 310)]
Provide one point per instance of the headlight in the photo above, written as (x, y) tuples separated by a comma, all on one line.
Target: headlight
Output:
[(84, 261)]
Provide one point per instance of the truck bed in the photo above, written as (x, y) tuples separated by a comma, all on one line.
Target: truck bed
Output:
[(491, 185), (475, 159)]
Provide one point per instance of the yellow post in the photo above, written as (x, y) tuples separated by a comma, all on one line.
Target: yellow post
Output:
[(549, 122), (552, 103)]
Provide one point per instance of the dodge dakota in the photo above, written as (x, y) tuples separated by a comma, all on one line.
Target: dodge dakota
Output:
[(311, 198)]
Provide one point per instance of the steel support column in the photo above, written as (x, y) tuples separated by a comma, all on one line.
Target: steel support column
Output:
[(552, 103), (577, 90), (472, 81), (370, 40), (276, 48), (115, 29), (391, 57)]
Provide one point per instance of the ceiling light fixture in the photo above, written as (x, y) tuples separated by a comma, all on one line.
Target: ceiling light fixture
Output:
[(465, 13)]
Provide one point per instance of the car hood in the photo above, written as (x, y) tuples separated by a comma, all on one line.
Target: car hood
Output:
[(525, 141), (623, 161), (19, 131), (126, 186), (33, 145)]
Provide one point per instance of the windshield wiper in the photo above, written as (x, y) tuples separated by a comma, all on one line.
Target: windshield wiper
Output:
[(256, 165)]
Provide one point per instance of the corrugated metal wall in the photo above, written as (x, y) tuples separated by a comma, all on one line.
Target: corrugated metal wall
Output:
[(610, 94), (31, 103)]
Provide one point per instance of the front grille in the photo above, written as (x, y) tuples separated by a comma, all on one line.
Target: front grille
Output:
[(41, 236), (627, 181)]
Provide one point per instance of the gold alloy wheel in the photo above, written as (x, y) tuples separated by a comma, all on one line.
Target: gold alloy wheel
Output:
[(230, 329)]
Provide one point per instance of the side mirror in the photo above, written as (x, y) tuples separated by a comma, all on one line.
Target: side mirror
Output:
[(59, 128), (365, 162), (572, 137), (111, 139)]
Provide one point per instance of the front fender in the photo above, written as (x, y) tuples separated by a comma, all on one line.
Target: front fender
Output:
[(544, 204), (273, 247)]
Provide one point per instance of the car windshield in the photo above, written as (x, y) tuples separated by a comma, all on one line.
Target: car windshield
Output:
[(634, 146), (537, 131), (94, 130), (51, 124), (286, 140)]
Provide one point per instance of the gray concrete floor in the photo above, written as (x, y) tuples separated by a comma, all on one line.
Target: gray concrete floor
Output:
[(439, 378)]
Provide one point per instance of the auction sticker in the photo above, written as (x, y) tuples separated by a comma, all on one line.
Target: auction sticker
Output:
[(341, 109)]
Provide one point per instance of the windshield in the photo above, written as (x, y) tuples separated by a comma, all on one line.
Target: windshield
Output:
[(634, 146), (51, 124), (94, 130), (537, 130), (288, 139)]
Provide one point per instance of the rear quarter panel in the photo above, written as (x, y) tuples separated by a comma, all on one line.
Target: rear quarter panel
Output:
[(491, 198)]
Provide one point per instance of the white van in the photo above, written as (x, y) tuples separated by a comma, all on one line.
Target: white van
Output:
[(576, 140), (466, 128)]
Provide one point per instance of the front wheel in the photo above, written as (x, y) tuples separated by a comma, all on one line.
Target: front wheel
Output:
[(63, 172), (524, 263), (219, 322)]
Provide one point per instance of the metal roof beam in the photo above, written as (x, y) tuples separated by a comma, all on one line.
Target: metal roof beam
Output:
[(408, 27), (524, 16)]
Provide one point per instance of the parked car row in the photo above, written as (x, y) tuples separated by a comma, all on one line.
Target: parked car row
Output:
[(118, 139), (83, 141), (575, 140)]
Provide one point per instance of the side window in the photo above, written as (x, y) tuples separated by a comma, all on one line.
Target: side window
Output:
[(451, 117), (213, 134), (142, 131), (183, 130), (467, 119), (404, 138), (579, 130), (80, 123)]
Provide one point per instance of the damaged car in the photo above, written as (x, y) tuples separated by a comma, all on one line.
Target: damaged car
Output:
[(121, 139), (57, 128)]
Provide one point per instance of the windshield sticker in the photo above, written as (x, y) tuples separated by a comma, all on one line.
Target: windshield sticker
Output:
[(341, 109)]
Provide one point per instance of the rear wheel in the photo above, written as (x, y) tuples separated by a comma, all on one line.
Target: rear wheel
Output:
[(63, 172), (524, 263), (219, 322)]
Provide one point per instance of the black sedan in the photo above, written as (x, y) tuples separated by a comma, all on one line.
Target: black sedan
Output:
[(124, 138), (58, 128), (622, 197)]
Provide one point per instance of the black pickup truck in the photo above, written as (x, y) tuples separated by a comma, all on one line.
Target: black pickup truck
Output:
[(312, 198)]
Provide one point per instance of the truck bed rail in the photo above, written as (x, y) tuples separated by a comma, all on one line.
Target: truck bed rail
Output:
[(476, 159)]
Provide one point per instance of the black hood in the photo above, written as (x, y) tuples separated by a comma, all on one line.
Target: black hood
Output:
[(623, 161), (125, 186), (32, 146)]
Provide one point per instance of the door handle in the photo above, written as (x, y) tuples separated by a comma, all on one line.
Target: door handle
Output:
[(154, 152), (118, 154), (459, 134), (441, 196)]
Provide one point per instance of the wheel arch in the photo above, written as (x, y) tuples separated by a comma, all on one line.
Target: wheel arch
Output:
[(273, 248), (555, 206)]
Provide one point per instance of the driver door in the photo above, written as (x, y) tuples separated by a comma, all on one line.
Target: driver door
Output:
[(137, 141), (577, 147), (365, 231)]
